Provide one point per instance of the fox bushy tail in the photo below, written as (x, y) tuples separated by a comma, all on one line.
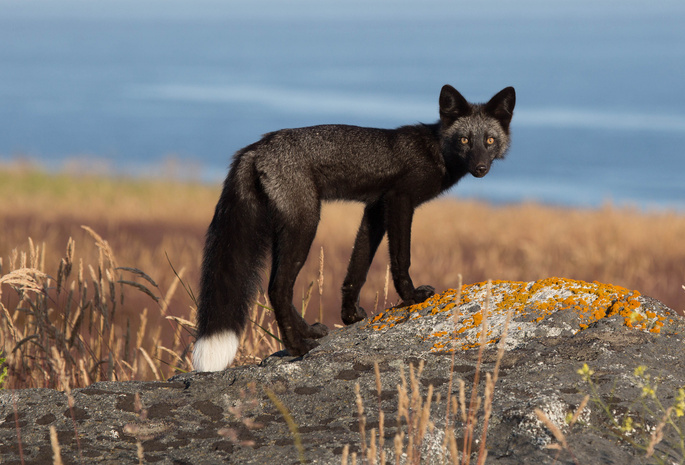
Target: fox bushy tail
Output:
[(234, 254)]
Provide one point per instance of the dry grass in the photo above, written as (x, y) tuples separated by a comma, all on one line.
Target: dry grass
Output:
[(414, 423), (67, 331), (144, 221)]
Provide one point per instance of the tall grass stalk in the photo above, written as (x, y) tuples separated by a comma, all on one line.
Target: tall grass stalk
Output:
[(67, 330), (414, 410)]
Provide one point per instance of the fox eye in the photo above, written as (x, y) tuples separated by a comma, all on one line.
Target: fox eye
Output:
[(490, 140), (464, 140)]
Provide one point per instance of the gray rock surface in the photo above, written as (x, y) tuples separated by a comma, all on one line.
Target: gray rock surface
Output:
[(229, 417)]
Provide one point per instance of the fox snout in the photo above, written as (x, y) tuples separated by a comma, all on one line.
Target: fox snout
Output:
[(478, 164), (480, 170)]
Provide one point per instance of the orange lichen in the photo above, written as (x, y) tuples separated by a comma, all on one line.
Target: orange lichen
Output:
[(532, 302)]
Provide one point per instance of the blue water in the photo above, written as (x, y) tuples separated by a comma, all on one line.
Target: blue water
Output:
[(600, 114)]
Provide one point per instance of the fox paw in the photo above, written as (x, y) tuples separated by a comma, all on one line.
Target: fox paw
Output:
[(351, 316), (317, 330), (300, 347), (423, 292)]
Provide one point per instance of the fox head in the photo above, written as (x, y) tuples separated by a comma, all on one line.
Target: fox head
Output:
[(475, 134)]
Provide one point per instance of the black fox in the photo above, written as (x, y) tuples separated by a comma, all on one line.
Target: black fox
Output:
[(272, 199)]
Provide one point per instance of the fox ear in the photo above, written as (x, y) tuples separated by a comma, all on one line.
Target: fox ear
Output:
[(452, 103), (501, 106)]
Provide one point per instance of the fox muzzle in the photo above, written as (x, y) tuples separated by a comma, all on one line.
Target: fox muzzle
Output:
[(480, 170)]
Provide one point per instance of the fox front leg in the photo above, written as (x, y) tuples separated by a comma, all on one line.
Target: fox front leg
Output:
[(399, 215)]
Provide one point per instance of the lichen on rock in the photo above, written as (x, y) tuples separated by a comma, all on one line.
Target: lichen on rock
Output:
[(547, 307)]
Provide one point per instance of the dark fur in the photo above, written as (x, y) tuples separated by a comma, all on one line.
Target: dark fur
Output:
[(272, 199)]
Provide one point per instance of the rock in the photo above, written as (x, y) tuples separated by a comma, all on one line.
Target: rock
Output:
[(247, 414)]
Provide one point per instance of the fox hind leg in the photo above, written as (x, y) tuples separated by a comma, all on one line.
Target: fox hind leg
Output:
[(292, 241)]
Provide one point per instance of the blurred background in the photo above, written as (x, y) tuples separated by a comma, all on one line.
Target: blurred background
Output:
[(133, 87)]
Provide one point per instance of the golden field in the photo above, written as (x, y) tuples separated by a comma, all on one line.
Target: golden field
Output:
[(98, 321)]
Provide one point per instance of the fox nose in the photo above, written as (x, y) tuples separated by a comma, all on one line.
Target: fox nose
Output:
[(480, 170)]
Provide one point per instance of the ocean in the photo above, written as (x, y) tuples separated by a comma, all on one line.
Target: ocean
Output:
[(137, 86)]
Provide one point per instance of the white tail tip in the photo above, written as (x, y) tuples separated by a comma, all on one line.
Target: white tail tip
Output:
[(215, 352)]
